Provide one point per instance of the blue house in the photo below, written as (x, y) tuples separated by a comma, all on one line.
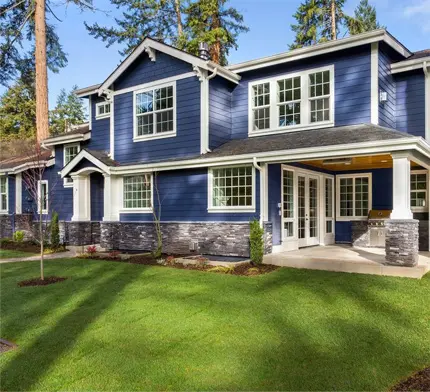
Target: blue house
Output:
[(308, 141)]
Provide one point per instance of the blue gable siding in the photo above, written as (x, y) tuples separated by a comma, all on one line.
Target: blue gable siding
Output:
[(187, 140), (62, 197), (387, 110), (275, 194), (352, 87), (410, 109), (184, 195), (220, 121), (100, 129)]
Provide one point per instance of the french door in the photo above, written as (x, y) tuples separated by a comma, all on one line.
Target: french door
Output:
[(307, 210)]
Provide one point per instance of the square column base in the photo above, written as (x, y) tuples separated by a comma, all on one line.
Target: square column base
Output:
[(401, 242)]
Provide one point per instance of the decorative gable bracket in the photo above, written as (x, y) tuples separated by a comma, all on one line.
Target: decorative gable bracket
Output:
[(200, 73), (151, 52), (107, 93)]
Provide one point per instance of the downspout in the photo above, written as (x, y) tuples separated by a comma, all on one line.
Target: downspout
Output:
[(260, 169)]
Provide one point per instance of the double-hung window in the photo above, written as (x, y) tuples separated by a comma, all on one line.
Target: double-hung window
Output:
[(301, 100), (354, 196), (419, 191), (137, 193), (154, 113), (103, 109), (231, 189), (69, 152), (3, 194), (42, 196)]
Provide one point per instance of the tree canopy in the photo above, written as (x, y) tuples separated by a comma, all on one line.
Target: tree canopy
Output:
[(364, 19)]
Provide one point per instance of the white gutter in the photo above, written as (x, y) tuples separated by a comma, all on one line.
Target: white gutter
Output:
[(409, 65), (76, 137)]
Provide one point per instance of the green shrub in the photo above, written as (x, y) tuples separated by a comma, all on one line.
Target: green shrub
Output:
[(222, 269), (18, 236), (256, 241), (55, 231)]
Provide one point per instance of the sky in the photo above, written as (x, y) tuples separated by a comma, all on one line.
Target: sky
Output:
[(90, 62)]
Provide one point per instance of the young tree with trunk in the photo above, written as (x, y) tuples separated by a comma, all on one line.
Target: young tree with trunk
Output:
[(364, 19), (156, 214)]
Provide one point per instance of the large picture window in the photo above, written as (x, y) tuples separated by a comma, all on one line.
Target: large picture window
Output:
[(419, 191), (300, 100), (137, 192), (3, 194), (154, 112), (231, 189), (354, 196)]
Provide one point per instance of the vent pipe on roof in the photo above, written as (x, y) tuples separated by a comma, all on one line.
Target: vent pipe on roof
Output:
[(204, 51)]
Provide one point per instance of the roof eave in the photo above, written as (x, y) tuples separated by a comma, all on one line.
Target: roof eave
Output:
[(410, 65), (63, 139)]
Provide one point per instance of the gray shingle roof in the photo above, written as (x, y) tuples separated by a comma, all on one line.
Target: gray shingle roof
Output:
[(11, 163), (102, 156), (420, 54)]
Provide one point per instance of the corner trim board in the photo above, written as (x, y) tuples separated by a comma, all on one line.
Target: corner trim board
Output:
[(374, 83)]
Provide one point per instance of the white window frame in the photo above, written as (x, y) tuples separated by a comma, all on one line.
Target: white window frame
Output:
[(39, 196), (232, 209), (104, 115), (353, 176), (425, 208), (131, 210), (2, 211), (305, 111), (327, 218), (68, 182), (162, 135)]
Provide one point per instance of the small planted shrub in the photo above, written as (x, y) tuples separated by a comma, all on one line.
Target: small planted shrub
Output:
[(170, 260), (55, 231), (91, 250), (222, 269), (18, 236), (114, 254), (256, 242)]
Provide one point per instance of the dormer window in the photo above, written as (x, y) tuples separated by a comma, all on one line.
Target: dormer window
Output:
[(302, 100), (103, 110), (155, 113)]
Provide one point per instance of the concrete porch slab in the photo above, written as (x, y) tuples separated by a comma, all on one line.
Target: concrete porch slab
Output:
[(344, 258)]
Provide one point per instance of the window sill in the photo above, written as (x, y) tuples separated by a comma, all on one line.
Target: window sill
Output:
[(102, 117), (350, 218), (294, 128), (163, 135), (136, 211), (419, 209), (231, 210), (4, 212)]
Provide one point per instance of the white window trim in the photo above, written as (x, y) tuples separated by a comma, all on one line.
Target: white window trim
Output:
[(333, 217), (232, 209), (104, 115), (147, 210), (2, 212), (426, 208), (305, 105), (39, 195), (355, 175), (69, 184), (154, 136)]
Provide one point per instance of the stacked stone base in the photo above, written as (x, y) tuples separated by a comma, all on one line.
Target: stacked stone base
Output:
[(221, 239), (6, 226), (80, 233), (401, 244)]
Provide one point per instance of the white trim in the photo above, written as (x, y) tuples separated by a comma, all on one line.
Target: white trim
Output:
[(323, 48), (204, 113), (87, 91), (352, 175), (104, 115), (39, 196), (67, 184), (154, 83), (76, 137), (26, 166), (374, 83), (401, 186), (18, 193), (426, 68), (304, 100), (154, 135), (233, 209), (90, 113), (87, 170), (124, 210), (426, 207), (83, 154), (6, 211), (409, 65), (112, 130)]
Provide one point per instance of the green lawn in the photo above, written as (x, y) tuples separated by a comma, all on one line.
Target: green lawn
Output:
[(118, 326), (8, 254)]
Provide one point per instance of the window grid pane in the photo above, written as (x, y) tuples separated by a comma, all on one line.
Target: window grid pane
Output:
[(319, 86), (232, 187), (137, 192), (419, 190), (261, 103), (3, 193), (288, 194)]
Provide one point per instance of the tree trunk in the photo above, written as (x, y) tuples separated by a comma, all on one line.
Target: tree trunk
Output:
[(333, 20), (41, 236), (42, 126), (215, 50), (179, 17)]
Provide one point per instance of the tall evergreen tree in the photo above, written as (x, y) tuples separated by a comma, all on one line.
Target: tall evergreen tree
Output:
[(364, 19), (68, 111)]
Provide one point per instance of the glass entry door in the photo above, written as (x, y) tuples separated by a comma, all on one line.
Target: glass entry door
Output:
[(307, 210)]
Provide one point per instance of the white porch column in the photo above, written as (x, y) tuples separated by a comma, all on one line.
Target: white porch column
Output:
[(81, 198), (18, 193), (112, 198), (401, 187)]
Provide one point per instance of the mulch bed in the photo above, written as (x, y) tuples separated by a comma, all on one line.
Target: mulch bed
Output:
[(420, 381), (6, 346), (39, 282), (24, 246)]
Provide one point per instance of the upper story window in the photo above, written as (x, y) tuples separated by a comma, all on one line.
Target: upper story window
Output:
[(296, 101), (3, 194), (155, 113), (103, 109), (354, 196), (70, 151), (419, 191)]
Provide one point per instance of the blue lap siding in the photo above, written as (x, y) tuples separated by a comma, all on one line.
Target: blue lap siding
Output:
[(100, 129), (387, 110)]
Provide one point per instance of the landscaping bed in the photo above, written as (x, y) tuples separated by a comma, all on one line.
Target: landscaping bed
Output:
[(420, 381), (23, 246), (40, 282)]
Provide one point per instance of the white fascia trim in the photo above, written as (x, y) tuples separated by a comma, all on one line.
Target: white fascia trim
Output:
[(149, 43), (426, 68), (86, 91), (18, 193), (374, 83), (204, 112), (324, 48), (357, 149), (83, 154), (409, 65), (26, 166), (112, 129), (77, 137)]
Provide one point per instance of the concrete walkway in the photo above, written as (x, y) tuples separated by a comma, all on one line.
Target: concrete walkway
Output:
[(344, 258), (61, 255)]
